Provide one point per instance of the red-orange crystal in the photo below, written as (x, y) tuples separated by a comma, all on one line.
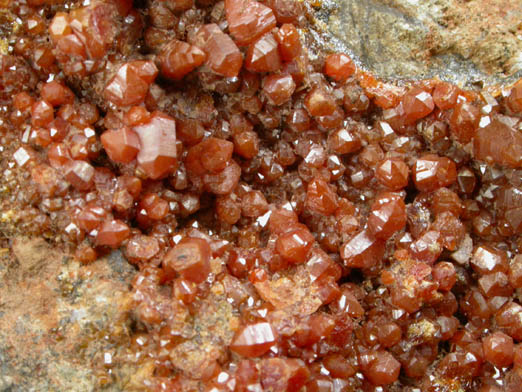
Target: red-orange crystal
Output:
[(248, 20), (253, 340), (157, 154)]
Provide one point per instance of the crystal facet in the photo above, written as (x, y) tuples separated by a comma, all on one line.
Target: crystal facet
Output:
[(253, 340), (158, 152), (248, 20)]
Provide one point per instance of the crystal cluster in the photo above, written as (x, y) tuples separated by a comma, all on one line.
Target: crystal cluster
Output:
[(295, 223)]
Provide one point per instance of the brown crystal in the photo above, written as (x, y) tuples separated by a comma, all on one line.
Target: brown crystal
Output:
[(91, 217), (112, 233), (122, 145), (190, 259), (56, 93), (445, 95), (80, 174), (487, 260), (289, 43), (393, 174), (514, 99), (294, 245), (362, 251), (248, 20), (278, 88), (320, 197), (41, 114), (158, 152), (215, 154), (388, 215), (382, 368), (445, 275), (319, 102), (498, 143), (254, 204), (464, 121), (498, 349), (225, 181), (179, 58), (339, 67), (263, 55), (131, 83), (223, 56), (141, 248), (431, 172), (253, 340)]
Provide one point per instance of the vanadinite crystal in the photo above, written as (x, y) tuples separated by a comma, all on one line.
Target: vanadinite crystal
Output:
[(417, 104), (362, 251), (278, 88), (223, 56), (431, 172), (179, 58), (388, 215), (158, 151), (130, 84), (190, 259), (112, 233), (295, 223), (121, 145), (499, 143), (248, 20), (339, 67), (263, 55), (253, 340)]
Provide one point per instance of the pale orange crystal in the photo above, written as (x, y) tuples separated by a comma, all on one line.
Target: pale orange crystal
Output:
[(157, 155)]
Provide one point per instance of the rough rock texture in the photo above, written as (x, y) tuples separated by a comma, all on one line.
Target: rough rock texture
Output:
[(60, 321), (462, 41)]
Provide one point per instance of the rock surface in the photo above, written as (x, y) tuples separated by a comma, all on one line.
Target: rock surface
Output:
[(465, 42), (60, 322)]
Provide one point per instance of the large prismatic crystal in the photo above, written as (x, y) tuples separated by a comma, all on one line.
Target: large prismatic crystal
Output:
[(157, 154)]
